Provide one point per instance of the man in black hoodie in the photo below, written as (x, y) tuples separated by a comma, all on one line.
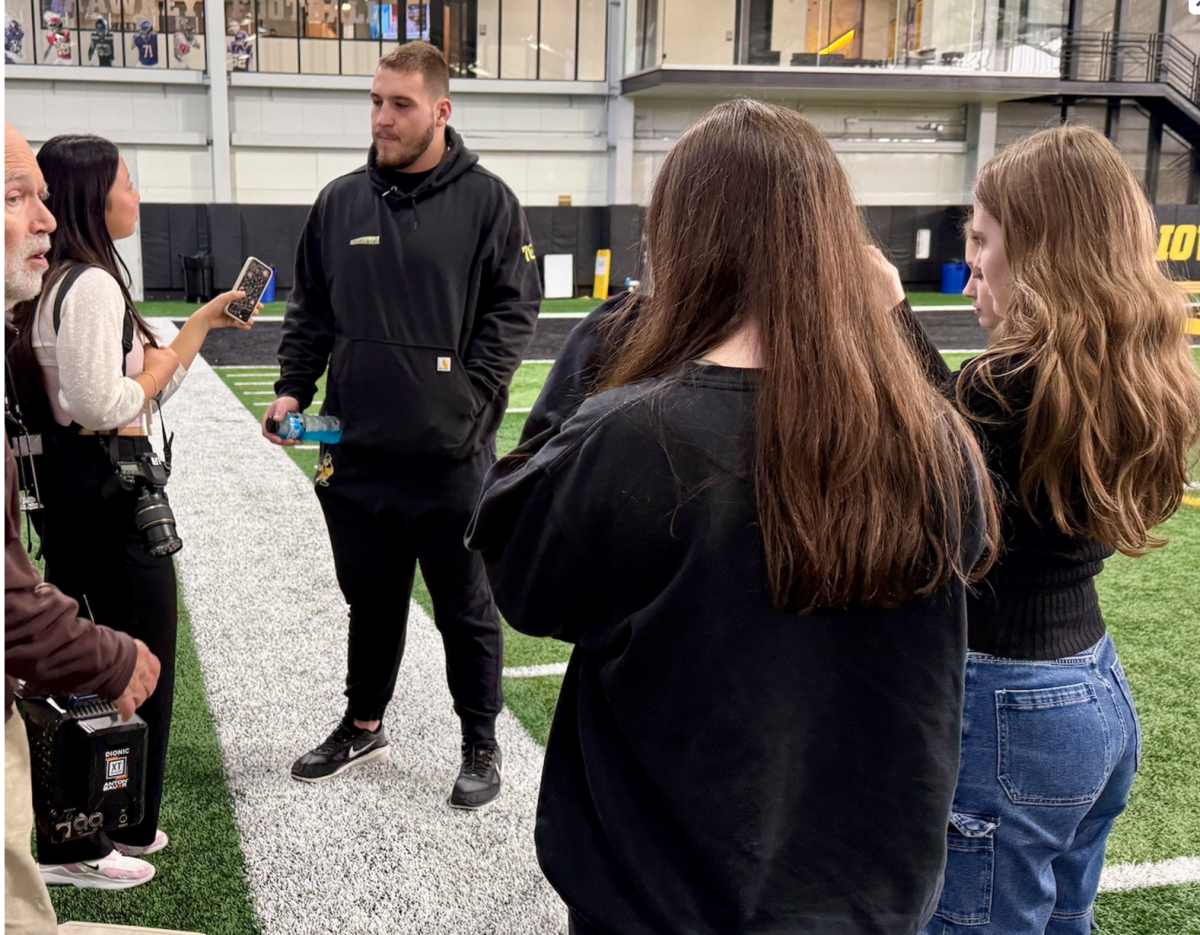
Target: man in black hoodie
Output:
[(416, 283)]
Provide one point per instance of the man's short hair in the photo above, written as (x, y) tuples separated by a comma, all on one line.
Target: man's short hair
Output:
[(418, 56)]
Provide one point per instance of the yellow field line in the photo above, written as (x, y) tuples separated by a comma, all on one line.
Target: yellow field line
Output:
[(1192, 501)]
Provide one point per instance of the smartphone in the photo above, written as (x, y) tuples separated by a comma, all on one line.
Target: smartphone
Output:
[(252, 280)]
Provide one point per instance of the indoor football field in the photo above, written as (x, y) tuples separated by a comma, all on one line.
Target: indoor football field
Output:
[(261, 658)]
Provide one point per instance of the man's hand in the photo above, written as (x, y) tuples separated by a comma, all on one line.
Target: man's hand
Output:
[(277, 410), (879, 266), (141, 686)]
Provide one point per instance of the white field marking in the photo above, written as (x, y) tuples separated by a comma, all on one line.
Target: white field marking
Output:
[(518, 409), (256, 318), (530, 672), (961, 350), (257, 392), (1160, 873), (265, 367), (563, 314), (306, 447), (378, 849), (524, 362), (315, 402), (255, 383)]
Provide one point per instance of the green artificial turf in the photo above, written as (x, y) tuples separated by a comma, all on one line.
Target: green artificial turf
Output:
[(1163, 910), (533, 701), (1153, 613), (938, 298), (200, 883)]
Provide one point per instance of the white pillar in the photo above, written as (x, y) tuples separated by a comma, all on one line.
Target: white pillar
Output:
[(620, 112), (130, 249), (218, 100), (981, 140)]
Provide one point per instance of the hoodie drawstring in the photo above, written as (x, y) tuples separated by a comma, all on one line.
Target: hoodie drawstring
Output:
[(412, 199)]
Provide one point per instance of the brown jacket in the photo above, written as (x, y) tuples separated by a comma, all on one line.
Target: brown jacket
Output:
[(46, 643)]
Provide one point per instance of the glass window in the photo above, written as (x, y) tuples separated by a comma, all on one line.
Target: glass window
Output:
[(57, 33), (360, 37), (487, 39), (319, 55), (556, 40), (20, 33), (593, 49), (145, 44), (518, 38)]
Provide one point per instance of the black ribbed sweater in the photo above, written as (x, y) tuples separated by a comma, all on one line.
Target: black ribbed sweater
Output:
[(1039, 600)]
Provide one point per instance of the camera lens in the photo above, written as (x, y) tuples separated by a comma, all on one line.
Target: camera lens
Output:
[(155, 521)]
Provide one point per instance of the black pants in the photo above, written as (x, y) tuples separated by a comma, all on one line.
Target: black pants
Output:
[(95, 555), (384, 516)]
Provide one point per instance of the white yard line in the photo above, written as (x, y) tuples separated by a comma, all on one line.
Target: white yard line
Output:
[(377, 850), (532, 672), (1160, 873)]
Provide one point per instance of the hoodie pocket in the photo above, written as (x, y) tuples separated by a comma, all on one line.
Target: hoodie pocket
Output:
[(404, 399)]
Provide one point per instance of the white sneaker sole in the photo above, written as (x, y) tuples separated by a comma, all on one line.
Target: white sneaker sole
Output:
[(380, 753), (87, 881)]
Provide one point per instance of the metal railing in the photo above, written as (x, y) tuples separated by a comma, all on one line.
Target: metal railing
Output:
[(1132, 58)]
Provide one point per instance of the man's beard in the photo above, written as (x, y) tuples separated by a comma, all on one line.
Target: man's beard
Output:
[(20, 282), (409, 153)]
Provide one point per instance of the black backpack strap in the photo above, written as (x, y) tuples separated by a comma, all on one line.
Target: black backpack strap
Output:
[(64, 285), (68, 280)]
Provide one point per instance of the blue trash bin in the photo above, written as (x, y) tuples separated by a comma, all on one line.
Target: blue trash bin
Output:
[(954, 278), (269, 292)]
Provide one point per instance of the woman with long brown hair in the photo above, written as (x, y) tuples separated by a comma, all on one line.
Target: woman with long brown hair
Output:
[(759, 537), (1086, 402)]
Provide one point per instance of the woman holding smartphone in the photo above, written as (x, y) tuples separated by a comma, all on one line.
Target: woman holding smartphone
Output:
[(1086, 403), (105, 375), (758, 536)]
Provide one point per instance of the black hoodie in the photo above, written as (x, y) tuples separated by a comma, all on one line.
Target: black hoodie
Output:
[(422, 305)]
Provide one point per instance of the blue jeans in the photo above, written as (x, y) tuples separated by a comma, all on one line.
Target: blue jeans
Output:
[(1048, 758)]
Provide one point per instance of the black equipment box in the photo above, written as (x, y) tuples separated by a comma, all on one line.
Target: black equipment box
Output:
[(89, 766)]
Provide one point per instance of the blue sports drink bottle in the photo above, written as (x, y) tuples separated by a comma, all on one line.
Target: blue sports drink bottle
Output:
[(296, 425)]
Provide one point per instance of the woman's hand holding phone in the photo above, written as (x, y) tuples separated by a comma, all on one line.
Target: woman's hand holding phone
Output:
[(213, 314)]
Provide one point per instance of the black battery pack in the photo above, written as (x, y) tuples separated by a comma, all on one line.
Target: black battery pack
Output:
[(89, 766)]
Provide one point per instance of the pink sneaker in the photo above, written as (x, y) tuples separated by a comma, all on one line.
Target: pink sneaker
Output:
[(136, 850), (114, 872)]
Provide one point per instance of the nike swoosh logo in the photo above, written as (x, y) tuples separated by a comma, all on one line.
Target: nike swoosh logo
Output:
[(354, 753)]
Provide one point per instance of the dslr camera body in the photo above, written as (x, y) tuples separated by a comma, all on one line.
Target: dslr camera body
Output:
[(152, 514), (89, 766)]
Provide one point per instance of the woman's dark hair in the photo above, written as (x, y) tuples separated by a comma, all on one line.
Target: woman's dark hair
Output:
[(80, 171), (860, 466)]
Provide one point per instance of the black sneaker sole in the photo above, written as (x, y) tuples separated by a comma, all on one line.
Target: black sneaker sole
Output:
[(471, 808), (379, 753)]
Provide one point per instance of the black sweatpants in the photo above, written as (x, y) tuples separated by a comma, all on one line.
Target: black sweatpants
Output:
[(385, 515), (95, 555)]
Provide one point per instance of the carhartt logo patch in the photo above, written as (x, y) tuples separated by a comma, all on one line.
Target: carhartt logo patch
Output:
[(365, 242), (443, 365)]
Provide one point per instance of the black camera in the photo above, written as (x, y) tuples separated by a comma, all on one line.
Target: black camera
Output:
[(89, 766), (152, 514)]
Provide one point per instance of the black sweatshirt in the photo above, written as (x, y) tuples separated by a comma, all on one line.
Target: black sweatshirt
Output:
[(716, 765), (1039, 600), (421, 304)]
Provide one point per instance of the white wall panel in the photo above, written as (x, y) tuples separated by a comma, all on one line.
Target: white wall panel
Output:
[(173, 175)]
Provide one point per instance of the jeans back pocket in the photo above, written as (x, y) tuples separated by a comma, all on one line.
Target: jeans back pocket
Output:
[(1055, 747), (970, 865)]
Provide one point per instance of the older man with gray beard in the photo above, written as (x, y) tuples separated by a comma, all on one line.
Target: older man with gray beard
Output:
[(46, 643)]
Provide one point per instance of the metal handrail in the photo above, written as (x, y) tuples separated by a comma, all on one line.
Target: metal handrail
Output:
[(1139, 58)]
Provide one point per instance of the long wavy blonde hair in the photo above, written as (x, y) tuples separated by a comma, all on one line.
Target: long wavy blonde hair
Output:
[(1095, 321)]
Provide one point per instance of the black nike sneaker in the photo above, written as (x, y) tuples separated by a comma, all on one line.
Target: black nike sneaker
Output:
[(347, 746), (479, 779)]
